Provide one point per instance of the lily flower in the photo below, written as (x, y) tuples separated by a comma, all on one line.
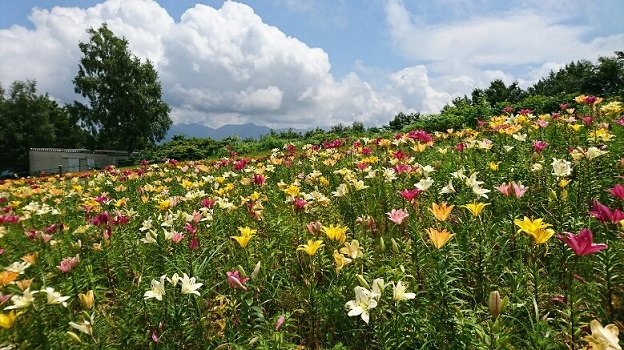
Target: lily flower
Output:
[(409, 194), (399, 294), (397, 216), (85, 327), (245, 237), (235, 280), (158, 289), (535, 228), (55, 297), (189, 286), (7, 320), (561, 167), (336, 233), (603, 213), (22, 301), (617, 191), (314, 227), (442, 211), (363, 303), (340, 261), (603, 337), (87, 299), (439, 238), (582, 244), (312, 247), (69, 264), (475, 208), (352, 250)]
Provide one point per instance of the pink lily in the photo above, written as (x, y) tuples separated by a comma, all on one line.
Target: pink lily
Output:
[(518, 189), (235, 280), (397, 216), (582, 244)]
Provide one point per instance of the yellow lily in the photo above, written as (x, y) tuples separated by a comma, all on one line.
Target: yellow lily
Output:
[(245, 237), (340, 261), (312, 247), (537, 229), (336, 233), (475, 208), (7, 320)]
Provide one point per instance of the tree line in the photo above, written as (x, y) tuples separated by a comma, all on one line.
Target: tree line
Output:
[(121, 107)]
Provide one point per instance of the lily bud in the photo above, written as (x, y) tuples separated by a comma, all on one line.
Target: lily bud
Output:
[(255, 271), (362, 281), (241, 270), (496, 304), (74, 337), (382, 245), (395, 246)]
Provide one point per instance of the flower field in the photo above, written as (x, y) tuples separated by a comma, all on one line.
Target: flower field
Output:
[(506, 236)]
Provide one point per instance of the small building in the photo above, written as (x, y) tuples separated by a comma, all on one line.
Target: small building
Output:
[(55, 160)]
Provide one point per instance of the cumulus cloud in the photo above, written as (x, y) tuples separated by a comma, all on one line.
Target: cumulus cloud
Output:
[(217, 66), (535, 35)]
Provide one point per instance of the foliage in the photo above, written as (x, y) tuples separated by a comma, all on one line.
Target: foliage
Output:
[(413, 240), (29, 120), (401, 120), (124, 109)]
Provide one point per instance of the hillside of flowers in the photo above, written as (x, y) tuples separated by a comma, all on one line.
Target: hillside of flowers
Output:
[(509, 235)]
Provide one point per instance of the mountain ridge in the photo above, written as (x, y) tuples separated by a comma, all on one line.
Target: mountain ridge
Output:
[(243, 131)]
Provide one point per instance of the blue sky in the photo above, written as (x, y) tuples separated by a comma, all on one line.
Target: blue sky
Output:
[(305, 63)]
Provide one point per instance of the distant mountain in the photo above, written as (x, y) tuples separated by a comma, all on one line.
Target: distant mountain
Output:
[(244, 131)]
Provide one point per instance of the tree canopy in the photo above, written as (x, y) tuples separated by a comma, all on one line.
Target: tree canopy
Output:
[(29, 120), (124, 109)]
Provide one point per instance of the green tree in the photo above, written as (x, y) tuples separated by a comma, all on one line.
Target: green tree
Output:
[(401, 120), (124, 108), (499, 95), (29, 120)]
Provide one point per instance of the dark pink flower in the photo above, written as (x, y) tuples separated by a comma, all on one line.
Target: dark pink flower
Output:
[(588, 119), (259, 179), (235, 280), (208, 202), (299, 204), (603, 213), (409, 194), (539, 146), (583, 243), (190, 228), (619, 121), (617, 191)]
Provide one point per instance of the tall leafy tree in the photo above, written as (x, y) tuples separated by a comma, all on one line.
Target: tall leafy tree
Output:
[(401, 120), (124, 109), (28, 120)]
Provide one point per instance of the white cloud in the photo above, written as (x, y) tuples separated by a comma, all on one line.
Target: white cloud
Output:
[(217, 66), (463, 49)]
